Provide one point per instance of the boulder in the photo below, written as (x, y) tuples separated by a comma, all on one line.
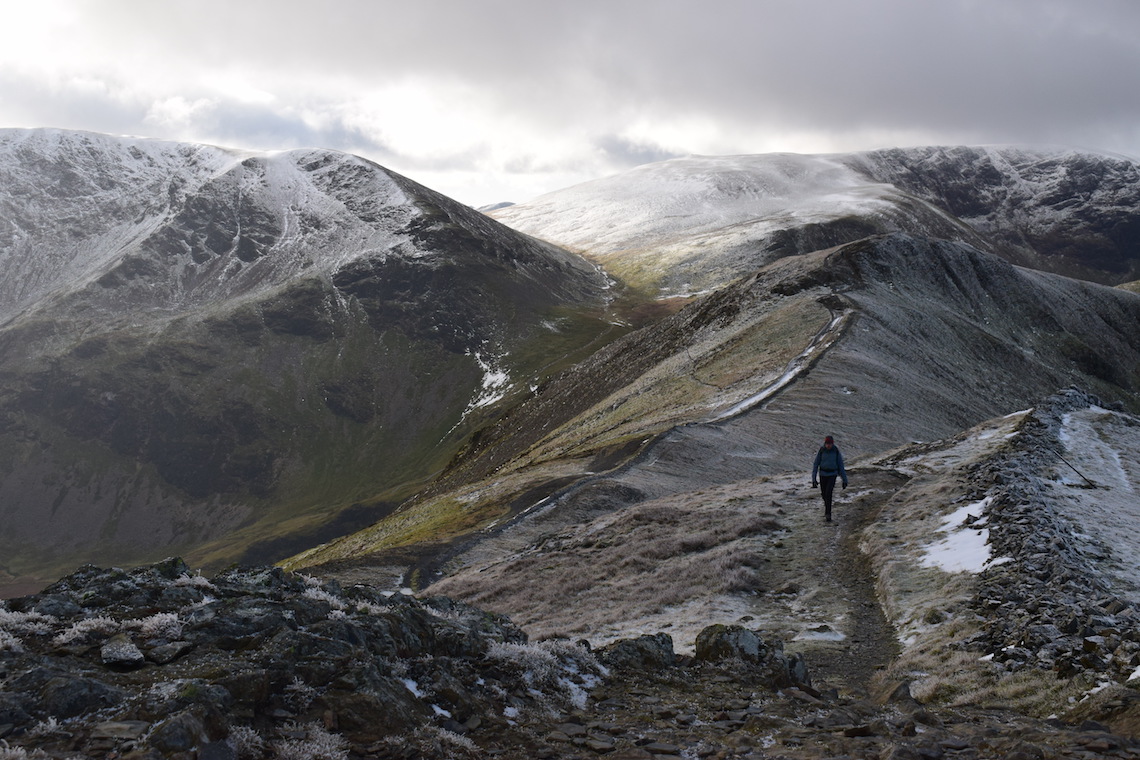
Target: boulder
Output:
[(733, 642), (648, 652), (724, 642), (65, 697)]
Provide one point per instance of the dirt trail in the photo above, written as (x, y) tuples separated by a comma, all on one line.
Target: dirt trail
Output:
[(832, 579)]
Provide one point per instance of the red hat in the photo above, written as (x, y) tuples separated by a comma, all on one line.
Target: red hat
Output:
[(829, 439)]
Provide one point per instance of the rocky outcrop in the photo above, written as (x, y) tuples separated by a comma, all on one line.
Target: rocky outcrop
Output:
[(734, 642), (166, 663), (162, 660), (1050, 607), (256, 663)]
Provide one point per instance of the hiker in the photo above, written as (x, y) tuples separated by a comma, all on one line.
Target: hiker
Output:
[(828, 466)]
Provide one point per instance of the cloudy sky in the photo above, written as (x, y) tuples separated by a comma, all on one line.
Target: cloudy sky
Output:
[(492, 100)]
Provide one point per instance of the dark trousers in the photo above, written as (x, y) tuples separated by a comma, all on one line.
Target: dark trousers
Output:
[(827, 488)]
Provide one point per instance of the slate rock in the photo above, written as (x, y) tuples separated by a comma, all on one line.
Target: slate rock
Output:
[(120, 652), (648, 652), (723, 642), (65, 697), (179, 733)]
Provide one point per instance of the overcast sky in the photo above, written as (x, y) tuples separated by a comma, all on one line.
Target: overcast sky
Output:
[(493, 100)]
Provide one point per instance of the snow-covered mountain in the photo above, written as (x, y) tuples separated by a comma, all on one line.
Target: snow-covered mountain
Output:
[(693, 224), (120, 226), (191, 336), (239, 356)]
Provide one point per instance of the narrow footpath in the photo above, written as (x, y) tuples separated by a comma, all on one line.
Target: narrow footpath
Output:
[(829, 559)]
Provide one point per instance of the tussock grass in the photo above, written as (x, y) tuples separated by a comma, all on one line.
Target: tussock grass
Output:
[(318, 744), (630, 564), (959, 678), (932, 610)]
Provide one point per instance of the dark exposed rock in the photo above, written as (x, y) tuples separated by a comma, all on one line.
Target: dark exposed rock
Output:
[(644, 652), (724, 642), (257, 649), (721, 642), (179, 733), (67, 697), (121, 652)]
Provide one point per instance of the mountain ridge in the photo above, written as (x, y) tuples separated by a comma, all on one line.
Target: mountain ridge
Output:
[(275, 308), (206, 341), (692, 224), (450, 406), (880, 342)]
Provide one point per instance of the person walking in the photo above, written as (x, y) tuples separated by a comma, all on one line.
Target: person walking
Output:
[(828, 466)]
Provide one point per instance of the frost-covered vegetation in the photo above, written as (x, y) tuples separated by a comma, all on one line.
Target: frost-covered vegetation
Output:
[(626, 567)]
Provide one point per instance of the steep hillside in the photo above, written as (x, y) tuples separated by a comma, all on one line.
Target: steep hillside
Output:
[(694, 224), (1064, 211), (217, 353), (879, 342)]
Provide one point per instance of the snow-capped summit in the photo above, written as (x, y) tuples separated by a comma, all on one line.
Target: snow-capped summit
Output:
[(691, 224), (127, 223)]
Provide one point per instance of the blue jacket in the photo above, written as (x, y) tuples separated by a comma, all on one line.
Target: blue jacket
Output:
[(828, 463)]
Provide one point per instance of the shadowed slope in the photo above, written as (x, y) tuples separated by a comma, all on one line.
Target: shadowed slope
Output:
[(207, 351)]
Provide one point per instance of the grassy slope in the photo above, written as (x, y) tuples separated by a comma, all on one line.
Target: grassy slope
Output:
[(238, 437), (704, 359)]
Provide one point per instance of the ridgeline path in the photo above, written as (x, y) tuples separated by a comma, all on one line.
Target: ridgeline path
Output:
[(820, 575)]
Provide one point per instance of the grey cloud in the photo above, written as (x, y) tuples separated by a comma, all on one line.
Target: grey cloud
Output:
[(27, 103), (1057, 71), (621, 153), (260, 126), (1037, 65)]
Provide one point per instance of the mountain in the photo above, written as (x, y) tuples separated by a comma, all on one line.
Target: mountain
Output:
[(1065, 211), (215, 352), (245, 356), (240, 356), (693, 224), (881, 342)]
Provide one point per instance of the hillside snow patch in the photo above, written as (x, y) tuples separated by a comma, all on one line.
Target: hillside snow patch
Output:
[(965, 546)]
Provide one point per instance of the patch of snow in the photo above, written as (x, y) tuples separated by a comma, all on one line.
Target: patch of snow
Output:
[(965, 548), (413, 687)]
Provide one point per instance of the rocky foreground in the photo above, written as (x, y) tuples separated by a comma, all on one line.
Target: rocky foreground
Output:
[(159, 662)]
